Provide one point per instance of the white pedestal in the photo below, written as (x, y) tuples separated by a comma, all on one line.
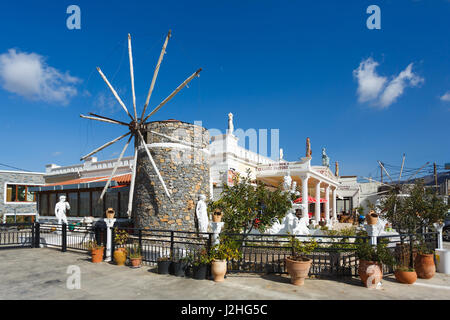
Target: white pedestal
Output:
[(373, 231), (443, 261), (109, 225), (439, 228), (216, 228)]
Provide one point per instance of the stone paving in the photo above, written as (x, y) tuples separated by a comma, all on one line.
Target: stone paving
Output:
[(42, 274)]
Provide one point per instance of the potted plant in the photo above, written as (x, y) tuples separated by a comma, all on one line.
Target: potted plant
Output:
[(120, 240), (371, 260), (298, 264), (217, 216), (424, 261), (164, 264), (179, 266), (110, 213), (220, 254), (96, 251), (200, 264), (135, 255), (372, 218)]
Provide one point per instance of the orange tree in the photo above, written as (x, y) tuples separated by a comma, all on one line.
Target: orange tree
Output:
[(247, 206)]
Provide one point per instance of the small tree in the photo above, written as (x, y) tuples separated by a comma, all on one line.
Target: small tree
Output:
[(246, 206)]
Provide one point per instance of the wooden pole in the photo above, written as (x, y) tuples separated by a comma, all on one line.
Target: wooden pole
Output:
[(381, 164), (99, 119), (418, 171), (133, 181), (174, 93), (114, 170), (153, 164), (105, 145), (106, 118), (401, 170), (130, 55), (114, 93), (155, 74), (435, 177)]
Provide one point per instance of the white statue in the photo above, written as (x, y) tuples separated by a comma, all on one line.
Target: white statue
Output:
[(287, 181), (325, 158), (294, 187), (281, 154), (202, 214), (230, 123), (60, 210)]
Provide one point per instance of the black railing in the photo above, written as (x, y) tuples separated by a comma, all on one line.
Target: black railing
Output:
[(17, 235), (262, 253)]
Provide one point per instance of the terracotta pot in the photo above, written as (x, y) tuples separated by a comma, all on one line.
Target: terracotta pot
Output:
[(298, 270), (218, 270), (217, 216), (120, 256), (371, 269), (372, 218), (407, 277), (97, 255), (425, 266), (136, 262)]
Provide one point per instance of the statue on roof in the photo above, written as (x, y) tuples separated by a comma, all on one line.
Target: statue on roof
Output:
[(281, 154), (308, 148), (337, 169), (230, 123), (325, 158)]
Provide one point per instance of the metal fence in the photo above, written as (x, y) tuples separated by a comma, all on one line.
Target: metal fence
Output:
[(17, 235), (335, 256)]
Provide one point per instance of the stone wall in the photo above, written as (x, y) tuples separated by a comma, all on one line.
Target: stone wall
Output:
[(12, 177), (185, 170)]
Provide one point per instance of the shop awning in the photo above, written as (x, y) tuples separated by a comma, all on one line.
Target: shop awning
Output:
[(310, 200), (85, 183)]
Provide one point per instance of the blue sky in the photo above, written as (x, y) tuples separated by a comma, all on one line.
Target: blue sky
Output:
[(288, 65)]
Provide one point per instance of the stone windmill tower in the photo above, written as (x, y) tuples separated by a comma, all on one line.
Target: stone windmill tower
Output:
[(171, 162)]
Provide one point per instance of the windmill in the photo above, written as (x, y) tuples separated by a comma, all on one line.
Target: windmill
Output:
[(136, 125)]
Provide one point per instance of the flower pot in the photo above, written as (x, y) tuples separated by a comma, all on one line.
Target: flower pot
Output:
[(407, 277), (217, 216), (199, 272), (136, 262), (179, 269), (97, 255), (218, 270), (370, 272), (163, 266), (372, 218), (120, 256), (110, 213), (425, 266), (298, 270)]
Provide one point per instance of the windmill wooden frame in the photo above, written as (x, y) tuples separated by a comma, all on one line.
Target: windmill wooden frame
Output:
[(136, 125)]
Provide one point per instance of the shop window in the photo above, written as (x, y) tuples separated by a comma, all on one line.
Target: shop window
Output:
[(84, 209), (97, 208), (43, 204), (73, 202)]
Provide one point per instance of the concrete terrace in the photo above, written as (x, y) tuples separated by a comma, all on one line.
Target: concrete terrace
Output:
[(42, 274)]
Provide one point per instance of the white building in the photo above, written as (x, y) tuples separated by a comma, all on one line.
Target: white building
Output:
[(228, 158)]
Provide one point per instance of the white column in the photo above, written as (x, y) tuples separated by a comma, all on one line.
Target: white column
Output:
[(109, 225), (317, 207), (327, 204), (334, 205), (305, 195)]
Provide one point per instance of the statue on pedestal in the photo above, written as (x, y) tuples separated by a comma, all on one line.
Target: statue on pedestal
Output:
[(281, 155), (287, 181), (230, 123), (202, 214), (308, 148), (60, 210), (325, 158)]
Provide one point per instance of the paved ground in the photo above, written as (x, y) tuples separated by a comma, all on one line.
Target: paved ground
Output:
[(42, 274)]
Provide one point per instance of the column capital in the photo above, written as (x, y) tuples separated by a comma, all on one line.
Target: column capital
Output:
[(304, 176)]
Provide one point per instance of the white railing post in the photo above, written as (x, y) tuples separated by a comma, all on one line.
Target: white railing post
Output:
[(109, 225)]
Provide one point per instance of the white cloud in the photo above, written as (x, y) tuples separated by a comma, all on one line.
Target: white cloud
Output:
[(446, 96), (27, 75), (369, 83), (377, 90), (396, 87)]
